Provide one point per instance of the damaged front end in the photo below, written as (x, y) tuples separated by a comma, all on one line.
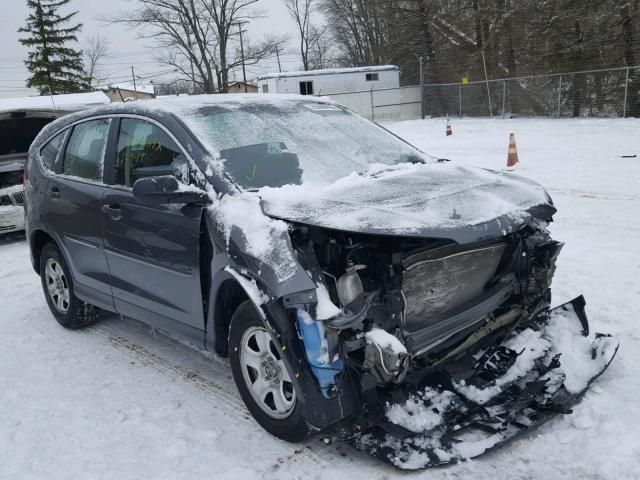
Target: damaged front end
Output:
[(421, 341)]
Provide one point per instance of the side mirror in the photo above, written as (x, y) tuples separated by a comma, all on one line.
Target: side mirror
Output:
[(166, 189)]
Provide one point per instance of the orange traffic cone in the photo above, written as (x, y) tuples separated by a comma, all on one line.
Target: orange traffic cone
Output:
[(449, 131), (512, 157)]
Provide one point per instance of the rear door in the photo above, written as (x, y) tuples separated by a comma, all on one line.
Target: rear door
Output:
[(153, 252), (73, 199)]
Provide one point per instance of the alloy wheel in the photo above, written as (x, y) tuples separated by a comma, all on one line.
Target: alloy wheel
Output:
[(57, 286), (265, 374)]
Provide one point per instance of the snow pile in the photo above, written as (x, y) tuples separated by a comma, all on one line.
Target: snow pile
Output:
[(531, 345), (325, 309), (581, 357), (384, 339), (264, 238), (565, 336), (422, 412)]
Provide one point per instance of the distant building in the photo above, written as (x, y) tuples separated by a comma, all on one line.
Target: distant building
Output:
[(332, 80), (124, 92), (238, 87)]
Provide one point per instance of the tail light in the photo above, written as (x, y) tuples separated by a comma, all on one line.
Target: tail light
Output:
[(25, 178)]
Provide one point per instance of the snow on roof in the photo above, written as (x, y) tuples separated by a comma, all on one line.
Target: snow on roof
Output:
[(328, 71), (183, 105), (142, 88), (70, 101)]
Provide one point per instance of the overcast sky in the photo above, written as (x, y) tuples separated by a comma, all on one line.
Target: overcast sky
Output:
[(125, 49)]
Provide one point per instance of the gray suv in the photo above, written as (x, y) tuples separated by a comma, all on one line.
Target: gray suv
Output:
[(341, 270)]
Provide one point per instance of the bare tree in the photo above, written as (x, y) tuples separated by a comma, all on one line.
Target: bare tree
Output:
[(321, 51), (300, 11), (223, 17), (196, 36), (183, 37), (360, 28), (97, 48)]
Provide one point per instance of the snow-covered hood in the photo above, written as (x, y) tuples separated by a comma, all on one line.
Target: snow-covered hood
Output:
[(443, 200)]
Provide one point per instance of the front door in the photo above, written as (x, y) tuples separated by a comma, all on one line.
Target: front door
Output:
[(152, 251)]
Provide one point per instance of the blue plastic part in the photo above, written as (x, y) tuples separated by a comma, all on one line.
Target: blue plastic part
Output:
[(312, 333)]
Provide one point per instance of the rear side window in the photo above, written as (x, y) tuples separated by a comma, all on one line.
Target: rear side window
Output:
[(49, 153), (84, 156), (146, 150)]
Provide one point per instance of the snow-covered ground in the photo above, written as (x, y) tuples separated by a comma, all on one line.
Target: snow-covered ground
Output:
[(119, 401)]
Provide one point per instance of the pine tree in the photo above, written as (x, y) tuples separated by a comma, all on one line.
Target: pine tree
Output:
[(55, 67)]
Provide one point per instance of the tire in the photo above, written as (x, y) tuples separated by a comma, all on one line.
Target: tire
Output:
[(280, 412), (57, 285)]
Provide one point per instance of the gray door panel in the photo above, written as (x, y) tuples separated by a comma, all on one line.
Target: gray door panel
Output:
[(153, 257), (75, 212), (153, 252)]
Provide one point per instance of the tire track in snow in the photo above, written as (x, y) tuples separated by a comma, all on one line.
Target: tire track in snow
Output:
[(205, 384), (229, 400), (313, 450)]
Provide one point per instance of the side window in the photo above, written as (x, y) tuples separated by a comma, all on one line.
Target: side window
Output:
[(49, 153), (372, 77), (306, 88), (84, 156), (146, 150)]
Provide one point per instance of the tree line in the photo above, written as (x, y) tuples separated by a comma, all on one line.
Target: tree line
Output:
[(477, 39), (489, 39)]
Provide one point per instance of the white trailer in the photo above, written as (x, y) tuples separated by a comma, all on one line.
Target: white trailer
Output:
[(332, 80)]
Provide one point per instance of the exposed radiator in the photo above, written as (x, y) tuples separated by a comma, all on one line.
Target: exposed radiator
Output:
[(437, 281)]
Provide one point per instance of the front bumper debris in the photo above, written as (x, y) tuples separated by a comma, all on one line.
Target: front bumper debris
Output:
[(536, 373)]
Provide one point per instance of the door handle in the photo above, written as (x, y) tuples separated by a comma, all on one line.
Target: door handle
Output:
[(113, 210), (54, 192)]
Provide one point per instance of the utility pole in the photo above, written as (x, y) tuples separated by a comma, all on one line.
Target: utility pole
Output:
[(193, 75), (244, 73), (486, 79), (422, 87), (135, 90), (278, 57)]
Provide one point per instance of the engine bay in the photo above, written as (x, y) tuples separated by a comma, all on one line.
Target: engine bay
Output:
[(402, 306)]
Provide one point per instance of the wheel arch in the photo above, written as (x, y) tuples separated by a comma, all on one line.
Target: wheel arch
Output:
[(37, 241), (227, 294)]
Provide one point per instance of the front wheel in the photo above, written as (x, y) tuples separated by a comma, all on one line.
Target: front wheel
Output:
[(57, 284), (262, 378)]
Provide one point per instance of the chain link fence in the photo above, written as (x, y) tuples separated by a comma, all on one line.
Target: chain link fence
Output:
[(595, 93)]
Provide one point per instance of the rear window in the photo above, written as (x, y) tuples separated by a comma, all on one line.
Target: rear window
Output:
[(49, 153)]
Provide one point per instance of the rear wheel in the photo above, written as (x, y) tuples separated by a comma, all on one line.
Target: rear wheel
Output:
[(262, 377), (57, 284)]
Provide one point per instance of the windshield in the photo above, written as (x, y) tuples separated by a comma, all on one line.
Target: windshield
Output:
[(294, 142)]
